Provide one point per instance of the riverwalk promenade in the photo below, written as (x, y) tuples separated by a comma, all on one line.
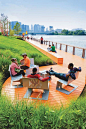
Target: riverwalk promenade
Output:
[(55, 97)]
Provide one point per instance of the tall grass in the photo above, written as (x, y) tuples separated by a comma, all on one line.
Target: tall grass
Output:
[(23, 115), (11, 47), (1, 80)]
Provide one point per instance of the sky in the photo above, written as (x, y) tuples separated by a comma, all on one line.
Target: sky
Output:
[(61, 14)]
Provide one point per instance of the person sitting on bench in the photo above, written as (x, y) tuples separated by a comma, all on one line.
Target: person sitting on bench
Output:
[(26, 62), (14, 66), (36, 75), (53, 48), (49, 48), (64, 76)]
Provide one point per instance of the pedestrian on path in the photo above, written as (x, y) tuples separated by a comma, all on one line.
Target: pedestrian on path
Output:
[(41, 40)]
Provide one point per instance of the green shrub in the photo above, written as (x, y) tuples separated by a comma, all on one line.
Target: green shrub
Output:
[(0, 33), (1, 81), (18, 37), (23, 115), (11, 33)]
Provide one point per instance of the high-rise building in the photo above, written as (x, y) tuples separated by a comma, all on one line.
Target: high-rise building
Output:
[(50, 28), (23, 27), (12, 24), (27, 28), (32, 28), (37, 28), (59, 30), (42, 29)]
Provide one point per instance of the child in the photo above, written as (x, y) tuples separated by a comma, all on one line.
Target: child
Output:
[(49, 48), (64, 76), (36, 75)]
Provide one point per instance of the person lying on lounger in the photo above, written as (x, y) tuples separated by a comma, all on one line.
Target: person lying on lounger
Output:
[(64, 76), (36, 75)]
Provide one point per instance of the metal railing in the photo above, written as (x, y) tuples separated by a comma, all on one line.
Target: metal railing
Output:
[(60, 46)]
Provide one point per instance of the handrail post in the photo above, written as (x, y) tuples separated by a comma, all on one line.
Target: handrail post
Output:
[(52, 43), (49, 42), (83, 53), (66, 48), (60, 46), (46, 42), (73, 50), (56, 45)]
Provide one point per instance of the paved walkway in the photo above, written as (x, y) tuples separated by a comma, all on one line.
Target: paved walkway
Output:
[(55, 97)]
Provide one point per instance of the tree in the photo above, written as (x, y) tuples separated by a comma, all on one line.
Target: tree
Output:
[(79, 32), (70, 33), (17, 28), (4, 24), (11, 32), (56, 33), (65, 32), (9, 27)]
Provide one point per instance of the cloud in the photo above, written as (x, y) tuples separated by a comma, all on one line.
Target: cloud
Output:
[(17, 9), (81, 12), (13, 11)]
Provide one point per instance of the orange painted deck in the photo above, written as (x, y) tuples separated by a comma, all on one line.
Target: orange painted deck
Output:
[(55, 97)]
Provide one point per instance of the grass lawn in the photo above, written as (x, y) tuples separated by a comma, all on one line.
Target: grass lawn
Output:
[(11, 47)]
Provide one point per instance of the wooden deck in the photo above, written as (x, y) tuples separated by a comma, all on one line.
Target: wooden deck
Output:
[(55, 97), (43, 48)]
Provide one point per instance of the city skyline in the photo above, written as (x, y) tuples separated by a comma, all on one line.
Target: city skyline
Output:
[(36, 28), (61, 14)]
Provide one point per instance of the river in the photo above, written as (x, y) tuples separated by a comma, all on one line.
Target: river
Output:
[(79, 41)]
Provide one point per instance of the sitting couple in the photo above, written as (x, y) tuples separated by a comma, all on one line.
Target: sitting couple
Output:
[(51, 48), (25, 65), (33, 75)]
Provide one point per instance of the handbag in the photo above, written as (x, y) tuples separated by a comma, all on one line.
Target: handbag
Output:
[(17, 70)]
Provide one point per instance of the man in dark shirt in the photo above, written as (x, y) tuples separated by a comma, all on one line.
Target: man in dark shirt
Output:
[(36, 75), (64, 76)]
